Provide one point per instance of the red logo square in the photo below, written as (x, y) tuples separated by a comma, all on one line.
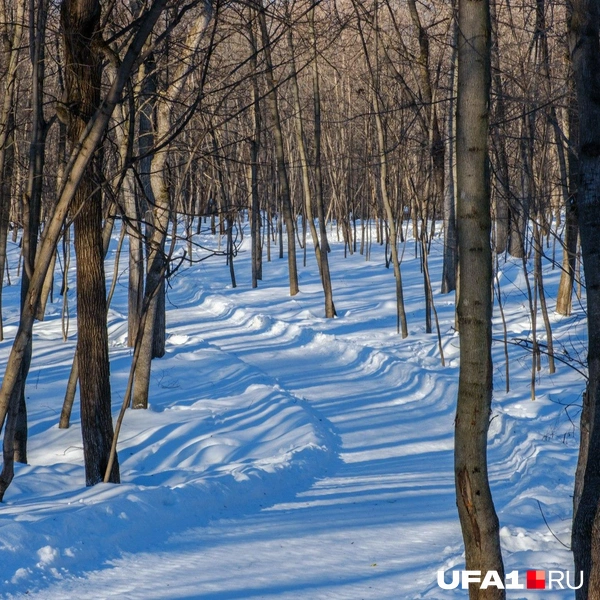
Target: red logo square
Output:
[(536, 580)]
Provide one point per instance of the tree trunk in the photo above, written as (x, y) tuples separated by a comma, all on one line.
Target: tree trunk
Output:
[(584, 31), (161, 214), (11, 32), (254, 165), (503, 192), (80, 22), (519, 206), (144, 197), (32, 205), (282, 174), (479, 522), (302, 151), (15, 444), (567, 277), (74, 173), (450, 240), (324, 266), (401, 322)]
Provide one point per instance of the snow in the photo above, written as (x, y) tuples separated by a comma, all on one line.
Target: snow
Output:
[(289, 456)]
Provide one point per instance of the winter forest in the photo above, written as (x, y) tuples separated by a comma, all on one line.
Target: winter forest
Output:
[(300, 299)]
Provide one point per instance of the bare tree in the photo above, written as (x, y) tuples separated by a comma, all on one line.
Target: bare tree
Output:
[(164, 109), (83, 154), (11, 34), (584, 32), (282, 171), (378, 110), (479, 522), (80, 20)]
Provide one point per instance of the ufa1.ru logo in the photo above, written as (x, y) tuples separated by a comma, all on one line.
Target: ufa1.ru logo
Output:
[(534, 580)]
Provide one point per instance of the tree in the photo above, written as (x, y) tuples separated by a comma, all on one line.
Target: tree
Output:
[(164, 108), (479, 522), (584, 32), (75, 170), (321, 248), (252, 176), (571, 167), (80, 20), (33, 198), (12, 41), (282, 170), (378, 109)]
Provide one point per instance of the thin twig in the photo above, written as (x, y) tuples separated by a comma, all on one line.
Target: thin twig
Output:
[(548, 526)]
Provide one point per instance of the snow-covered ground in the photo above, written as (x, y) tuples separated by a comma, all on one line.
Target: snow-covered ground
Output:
[(288, 456)]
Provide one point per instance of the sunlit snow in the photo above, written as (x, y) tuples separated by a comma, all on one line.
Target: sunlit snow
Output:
[(286, 456)]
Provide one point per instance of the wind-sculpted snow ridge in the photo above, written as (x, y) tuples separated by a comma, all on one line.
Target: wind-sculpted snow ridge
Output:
[(292, 457), (220, 438)]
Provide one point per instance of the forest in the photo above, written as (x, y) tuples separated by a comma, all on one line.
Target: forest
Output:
[(140, 139)]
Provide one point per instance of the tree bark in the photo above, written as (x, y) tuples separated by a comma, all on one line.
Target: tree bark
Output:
[(254, 164), (80, 20), (564, 298), (584, 31), (32, 203), (401, 322), (479, 522), (324, 266), (450, 238), (282, 174)]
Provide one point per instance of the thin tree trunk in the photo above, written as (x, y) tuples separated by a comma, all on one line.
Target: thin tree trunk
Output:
[(450, 240), (32, 206), (539, 282), (503, 193), (161, 214), (401, 323), (143, 199), (567, 278), (282, 174), (478, 519), (80, 22), (255, 225), (302, 151), (11, 29), (7, 155), (324, 265), (65, 413)]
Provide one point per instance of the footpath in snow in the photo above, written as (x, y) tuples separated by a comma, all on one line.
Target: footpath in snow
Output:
[(288, 456)]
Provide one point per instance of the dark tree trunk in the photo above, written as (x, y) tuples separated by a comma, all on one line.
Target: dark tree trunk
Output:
[(32, 205), (502, 195), (255, 224), (6, 183), (80, 21), (584, 31), (450, 239)]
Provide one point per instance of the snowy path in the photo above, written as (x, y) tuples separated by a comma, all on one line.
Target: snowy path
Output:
[(394, 420), (369, 528), (322, 451)]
